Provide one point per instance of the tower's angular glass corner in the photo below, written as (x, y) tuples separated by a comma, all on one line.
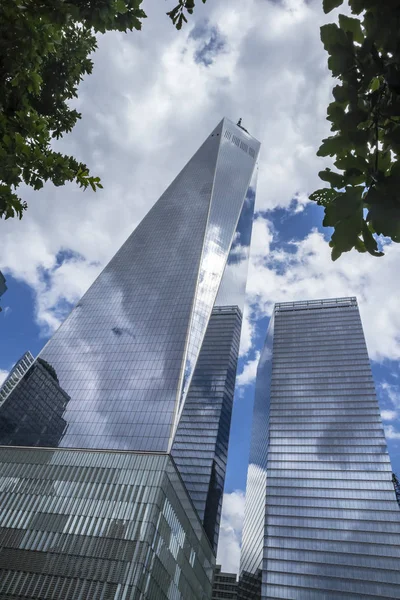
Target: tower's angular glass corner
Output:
[(321, 517), (113, 442)]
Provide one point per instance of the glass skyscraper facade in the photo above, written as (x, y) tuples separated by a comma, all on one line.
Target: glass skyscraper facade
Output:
[(321, 518), (142, 370), (17, 372), (3, 287), (200, 448)]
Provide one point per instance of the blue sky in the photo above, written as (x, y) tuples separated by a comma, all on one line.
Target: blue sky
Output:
[(151, 100)]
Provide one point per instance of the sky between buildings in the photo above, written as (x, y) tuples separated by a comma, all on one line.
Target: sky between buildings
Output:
[(152, 99)]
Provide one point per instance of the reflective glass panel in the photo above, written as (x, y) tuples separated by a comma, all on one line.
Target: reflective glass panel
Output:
[(320, 500), (111, 376)]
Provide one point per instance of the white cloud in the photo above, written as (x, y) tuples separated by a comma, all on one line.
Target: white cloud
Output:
[(230, 535), (304, 270), (388, 415), (3, 376), (300, 201), (247, 333), (248, 375), (392, 392), (142, 122), (391, 433), (69, 281), (262, 236)]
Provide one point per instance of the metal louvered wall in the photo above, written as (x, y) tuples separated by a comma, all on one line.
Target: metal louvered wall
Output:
[(79, 524)]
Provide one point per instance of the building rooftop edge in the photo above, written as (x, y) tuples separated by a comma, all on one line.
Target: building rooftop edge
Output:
[(319, 303), (243, 131)]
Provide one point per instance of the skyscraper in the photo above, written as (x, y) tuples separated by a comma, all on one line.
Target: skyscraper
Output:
[(16, 373), (225, 585), (200, 448), (3, 287), (321, 518), (99, 508)]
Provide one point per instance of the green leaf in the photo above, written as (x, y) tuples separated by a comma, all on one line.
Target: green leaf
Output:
[(353, 118), (329, 5), (375, 84), (385, 219), (332, 145), (359, 245), (351, 161), (346, 233), (341, 61), (332, 35), (384, 161), (37, 183), (340, 93), (323, 196), (395, 170), (336, 253), (136, 24), (353, 26), (335, 179), (357, 6), (392, 138), (343, 207), (359, 137), (10, 205), (120, 7), (371, 196), (335, 112), (174, 13), (354, 176), (369, 241)]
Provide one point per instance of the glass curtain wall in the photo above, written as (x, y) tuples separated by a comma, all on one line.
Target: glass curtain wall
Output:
[(201, 443), (331, 520), (109, 390), (126, 354)]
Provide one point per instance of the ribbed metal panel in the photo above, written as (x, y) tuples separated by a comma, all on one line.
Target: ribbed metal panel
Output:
[(80, 524)]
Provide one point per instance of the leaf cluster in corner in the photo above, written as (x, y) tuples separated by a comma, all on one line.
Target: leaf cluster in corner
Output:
[(364, 55), (45, 49)]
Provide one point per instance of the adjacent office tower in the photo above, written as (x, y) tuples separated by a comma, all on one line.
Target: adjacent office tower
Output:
[(321, 519), (118, 495), (16, 373)]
